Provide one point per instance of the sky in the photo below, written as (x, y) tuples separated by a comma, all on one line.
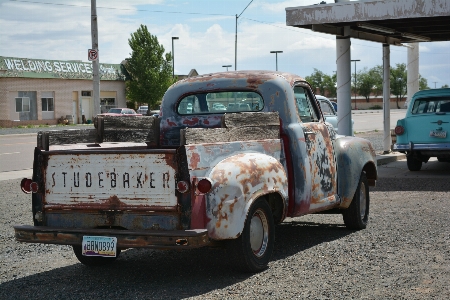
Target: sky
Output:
[(61, 30)]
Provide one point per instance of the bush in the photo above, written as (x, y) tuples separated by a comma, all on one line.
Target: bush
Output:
[(375, 107)]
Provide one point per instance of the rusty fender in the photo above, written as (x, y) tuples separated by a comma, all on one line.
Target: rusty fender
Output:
[(237, 182), (353, 156)]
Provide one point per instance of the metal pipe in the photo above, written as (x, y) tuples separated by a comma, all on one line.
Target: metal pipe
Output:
[(386, 99)]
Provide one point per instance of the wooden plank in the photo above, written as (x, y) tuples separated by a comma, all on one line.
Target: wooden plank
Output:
[(139, 122), (250, 119), (69, 136), (222, 135)]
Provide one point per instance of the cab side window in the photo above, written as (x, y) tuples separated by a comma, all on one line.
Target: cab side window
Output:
[(306, 107)]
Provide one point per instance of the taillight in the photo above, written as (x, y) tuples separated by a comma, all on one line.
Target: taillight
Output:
[(182, 186), (399, 130), (28, 186), (204, 185)]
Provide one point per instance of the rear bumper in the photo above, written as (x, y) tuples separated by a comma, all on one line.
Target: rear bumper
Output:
[(179, 239), (422, 147)]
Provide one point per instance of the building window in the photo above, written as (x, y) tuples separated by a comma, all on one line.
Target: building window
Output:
[(22, 104), (106, 104), (47, 104), (86, 93)]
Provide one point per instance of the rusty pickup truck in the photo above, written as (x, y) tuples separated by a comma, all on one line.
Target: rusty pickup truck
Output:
[(230, 155)]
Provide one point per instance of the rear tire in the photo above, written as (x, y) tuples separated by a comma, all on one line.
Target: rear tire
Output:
[(356, 215), (252, 251), (413, 163), (93, 261)]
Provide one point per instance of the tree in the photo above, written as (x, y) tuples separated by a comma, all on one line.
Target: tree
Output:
[(398, 81), (444, 86), (366, 83), (377, 75), (149, 70), (423, 83), (326, 84), (329, 83), (316, 81)]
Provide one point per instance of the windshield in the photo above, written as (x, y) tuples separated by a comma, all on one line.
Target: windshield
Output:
[(220, 102), (115, 111)]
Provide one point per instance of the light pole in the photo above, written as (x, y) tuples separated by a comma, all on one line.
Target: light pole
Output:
[(173, 57), (355, 60), (276, 58), (227, 66)]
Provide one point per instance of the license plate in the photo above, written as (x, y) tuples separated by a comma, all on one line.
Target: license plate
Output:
[(99, 246), (438, 134)]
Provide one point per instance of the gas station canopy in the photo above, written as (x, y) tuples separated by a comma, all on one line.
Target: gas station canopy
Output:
[(389, 22)]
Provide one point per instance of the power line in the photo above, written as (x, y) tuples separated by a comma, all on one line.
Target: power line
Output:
[(126, 9)]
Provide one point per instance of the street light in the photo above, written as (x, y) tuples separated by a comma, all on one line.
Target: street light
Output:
[(276, 58), (173, 57), (355, 60), (227, 66)]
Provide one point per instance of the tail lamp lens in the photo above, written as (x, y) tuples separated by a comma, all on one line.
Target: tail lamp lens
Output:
[(204, 185), (182, 186), (28, 186), (399, 130), (25, 185)]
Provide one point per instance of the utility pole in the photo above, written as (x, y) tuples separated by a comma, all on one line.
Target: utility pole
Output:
[(95, 62), (235, 39)]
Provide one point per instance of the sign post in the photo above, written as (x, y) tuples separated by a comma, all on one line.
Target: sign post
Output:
[(93, 56)]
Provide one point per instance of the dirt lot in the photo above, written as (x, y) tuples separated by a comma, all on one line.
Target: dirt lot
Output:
[(403, 254)]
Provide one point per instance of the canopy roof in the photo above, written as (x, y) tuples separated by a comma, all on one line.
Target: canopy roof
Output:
[(390, 22)]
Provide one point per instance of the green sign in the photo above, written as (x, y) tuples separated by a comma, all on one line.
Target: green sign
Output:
[(37, 68)]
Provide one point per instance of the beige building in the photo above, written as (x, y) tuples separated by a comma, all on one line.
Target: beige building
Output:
[(36, 92)]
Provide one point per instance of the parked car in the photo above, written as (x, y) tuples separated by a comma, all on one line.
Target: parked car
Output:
[(329, 113), (142, 109), (423, 133), (219, 106), (120, 112)]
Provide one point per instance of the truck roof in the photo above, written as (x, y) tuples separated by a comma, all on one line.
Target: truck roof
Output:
[(252, 76)]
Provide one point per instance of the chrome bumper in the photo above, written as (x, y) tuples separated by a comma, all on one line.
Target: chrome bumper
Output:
[(411, 146)]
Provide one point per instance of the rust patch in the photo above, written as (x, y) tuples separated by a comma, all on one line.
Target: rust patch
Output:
[(194, 161)]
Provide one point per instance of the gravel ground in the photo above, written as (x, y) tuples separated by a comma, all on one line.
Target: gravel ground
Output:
[(403, 254)]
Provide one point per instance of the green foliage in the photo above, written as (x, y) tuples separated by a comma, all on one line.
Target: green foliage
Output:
[(376, 106), (423, 83), (326, 84), (398, 81), (148, 70), (445, 86), (329, 83), (316, 81)]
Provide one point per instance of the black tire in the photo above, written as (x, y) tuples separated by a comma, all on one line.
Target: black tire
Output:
[(93, 261), (413, 163), (356, 215), (251, 252)]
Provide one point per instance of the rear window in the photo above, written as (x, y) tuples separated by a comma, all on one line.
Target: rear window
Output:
[(431, 105), (220, 102)]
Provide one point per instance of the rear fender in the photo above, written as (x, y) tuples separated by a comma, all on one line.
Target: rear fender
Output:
[(354, 155), (237, 182)]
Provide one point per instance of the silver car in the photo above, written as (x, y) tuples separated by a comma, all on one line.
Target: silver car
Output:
[(328, 111)]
